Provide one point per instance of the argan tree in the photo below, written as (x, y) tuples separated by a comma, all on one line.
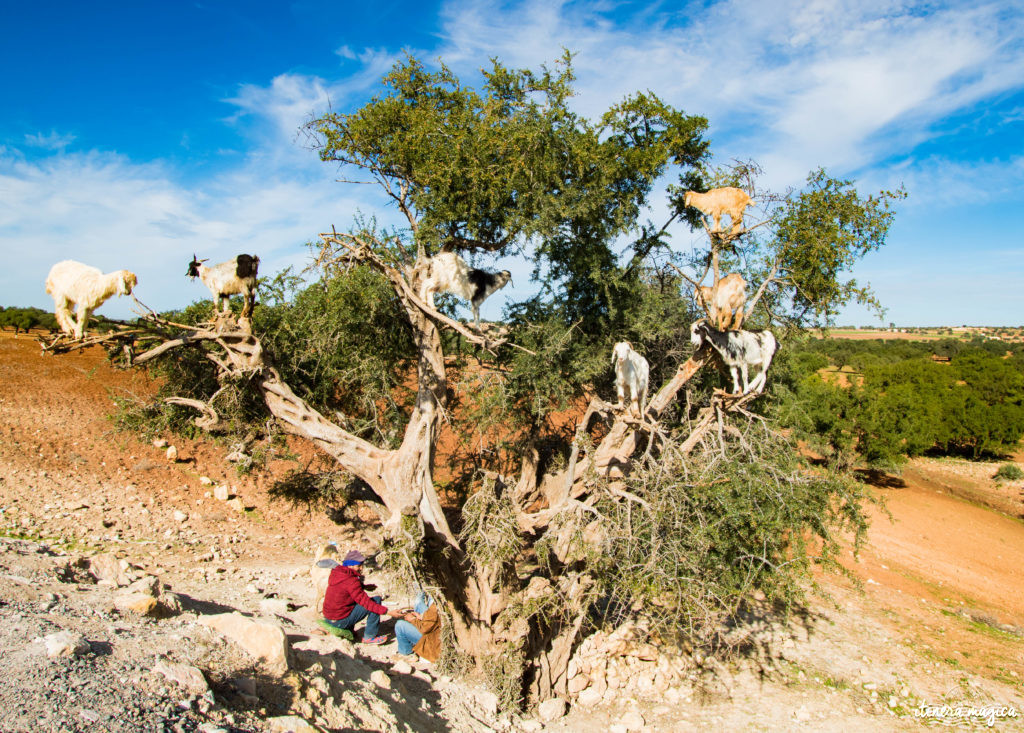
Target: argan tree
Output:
[(549, 518)]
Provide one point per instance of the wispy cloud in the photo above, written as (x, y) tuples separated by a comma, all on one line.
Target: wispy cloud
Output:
[(937, 183), (51, 141), (796, 85), (111, 212)]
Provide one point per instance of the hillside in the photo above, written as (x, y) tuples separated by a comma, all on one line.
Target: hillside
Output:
[(940, 619)]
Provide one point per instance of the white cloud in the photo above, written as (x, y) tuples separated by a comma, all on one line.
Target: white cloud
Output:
[(52, 141), (110, 212), (795, 85), (290, 99)]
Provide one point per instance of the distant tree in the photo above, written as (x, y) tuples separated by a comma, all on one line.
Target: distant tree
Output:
[(24, 319)]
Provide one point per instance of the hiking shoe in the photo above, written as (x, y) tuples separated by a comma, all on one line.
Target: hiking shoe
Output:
[(376, 640)]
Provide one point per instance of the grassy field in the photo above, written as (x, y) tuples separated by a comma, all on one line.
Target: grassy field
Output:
[(1006, 333)]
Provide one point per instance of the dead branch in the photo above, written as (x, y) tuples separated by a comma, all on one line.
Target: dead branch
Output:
[(615, 489), (63, 344), (596, 407), (764, 284), (209, 419)]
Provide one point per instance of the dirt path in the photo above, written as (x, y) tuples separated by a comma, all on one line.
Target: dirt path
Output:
[(974, 553)]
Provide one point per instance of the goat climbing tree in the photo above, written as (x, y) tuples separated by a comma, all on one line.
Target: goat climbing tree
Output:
[(523, 559)]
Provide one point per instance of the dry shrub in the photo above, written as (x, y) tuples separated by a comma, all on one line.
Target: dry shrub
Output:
[(718, 528)]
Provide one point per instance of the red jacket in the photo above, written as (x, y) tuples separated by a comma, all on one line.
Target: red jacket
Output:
[(344, 591)]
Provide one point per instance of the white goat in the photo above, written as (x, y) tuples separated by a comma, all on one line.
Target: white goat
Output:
[(85, 288), (448, 273), (234, 277), (719, 304), (718, 201), (631, 375), (739, 351)]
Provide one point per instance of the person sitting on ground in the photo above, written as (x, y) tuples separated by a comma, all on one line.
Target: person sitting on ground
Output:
[(420, 631), (346, 602)]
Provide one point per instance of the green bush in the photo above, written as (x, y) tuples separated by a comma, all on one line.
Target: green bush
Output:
[(1009, 472), (699, 541), (23, 319)]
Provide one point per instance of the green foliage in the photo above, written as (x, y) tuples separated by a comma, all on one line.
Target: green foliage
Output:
[(712, 532), (503, 673), (818, 235), (1009, 472), (490, 533), (344, 344), (901, 403), (23, 319), (488, 169), (312, 490)]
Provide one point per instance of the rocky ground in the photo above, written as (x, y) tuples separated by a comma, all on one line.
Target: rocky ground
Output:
[(139, 592)]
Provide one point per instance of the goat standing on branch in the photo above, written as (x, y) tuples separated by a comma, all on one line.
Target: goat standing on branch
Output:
[(631, 375), (739, 351), (718, 201), (449, 273), (720, 301), (234, 277), (85, 288)]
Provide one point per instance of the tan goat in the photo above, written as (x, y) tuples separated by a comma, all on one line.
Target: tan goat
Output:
[(718, 201), (719, 305)]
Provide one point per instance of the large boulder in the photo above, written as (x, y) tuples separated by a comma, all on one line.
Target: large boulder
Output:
[(140, 604), (143, 598), (148, 584), (263, 640)]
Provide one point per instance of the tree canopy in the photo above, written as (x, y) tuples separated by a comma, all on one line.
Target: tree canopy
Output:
[(490, 170)]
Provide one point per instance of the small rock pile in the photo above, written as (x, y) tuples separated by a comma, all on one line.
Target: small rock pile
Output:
[(606, 666), (139, 593)]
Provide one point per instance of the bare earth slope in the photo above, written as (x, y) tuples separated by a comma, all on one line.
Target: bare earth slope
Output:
[(939, 619)]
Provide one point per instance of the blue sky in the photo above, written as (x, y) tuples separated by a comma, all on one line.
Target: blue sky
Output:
[(134, 134)]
